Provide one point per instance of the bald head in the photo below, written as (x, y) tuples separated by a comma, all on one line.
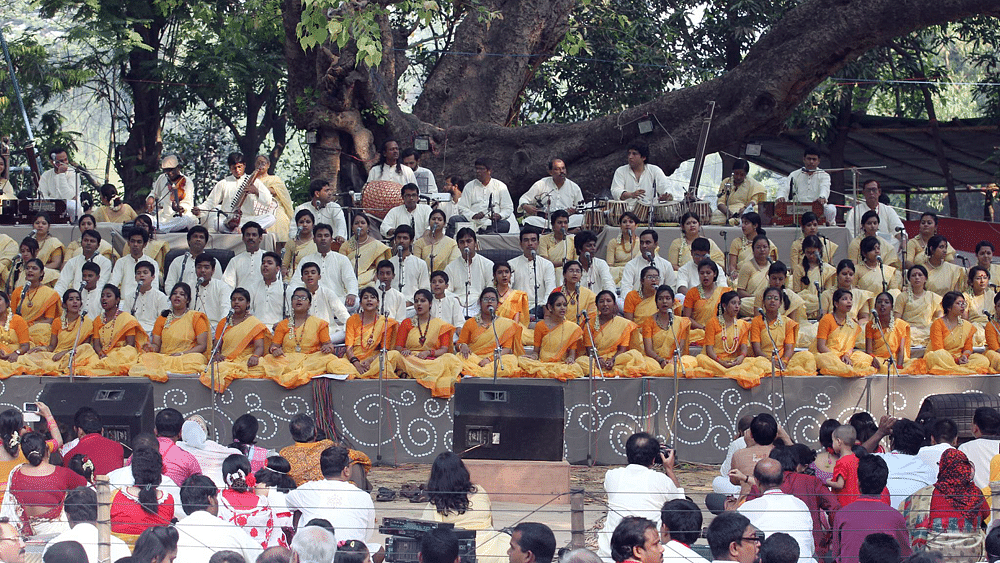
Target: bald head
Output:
[(11, 544), (768, 474)]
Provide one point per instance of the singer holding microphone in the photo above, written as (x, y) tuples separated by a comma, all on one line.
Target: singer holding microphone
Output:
[(664, 333), (950, 351), (769, 328), (433, 246), (54, 358), (884, 328), (872, 274), (556, 341), (38, 304), (117, 339), (244, 340), (424, 344), (613, 336), (178, 342), (364, 251), (477, 341)]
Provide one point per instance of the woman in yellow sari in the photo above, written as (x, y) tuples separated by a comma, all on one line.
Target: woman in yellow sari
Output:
[(38, 304), (13, 277), (367, 331), (978, 299), (777, 329), (752, 278), (916, 246), (477, 341), (86, 223), (679, 252), (860, 299), (51, 251), (14, 339), (810, 227), (993, 337), (917, 306), (869, 228), (813, 275), (244, 341), (950, 350), (68, 329), (942, 276), (640, 305), (579, 298), (702, 303), (663, 334), (622, 249), (117, 338), (727, 344), (155, 249), (301, 348), (896, 333), (364, 251), (870, 272), (835, 338), (433, 246), (612, 339), (300, 246), (424, 343), (556, 342), (741, 249), (179, 341), (513, 303)]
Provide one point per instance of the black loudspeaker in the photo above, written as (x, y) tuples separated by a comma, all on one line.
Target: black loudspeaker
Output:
[(126, 407), (959, 407), (506, 420)]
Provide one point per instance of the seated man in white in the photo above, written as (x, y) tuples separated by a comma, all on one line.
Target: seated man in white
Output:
[(642, 182), (203, 533), (244, 268), (413, 274), (80, 505), (485, 202), (182, 268), (61, 182), (212, 295), (721, 483), (809, 184), (533, 274), (268, 292), (222, 210), (469, 273), (550, 194), (71, 274), (390, 168), (336, 271), (411, 213), (392, 303), (687, 275), (445, 305), (596, 272), (172, 198), (123, 273), (777, 511), (425, 178), (888, 219), (324, 209), (648, 256), (147, 302)]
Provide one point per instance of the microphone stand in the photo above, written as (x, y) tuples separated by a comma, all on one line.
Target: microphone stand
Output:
[(468, 283), (593, 359), (498, 350), (534, 271), (212, 361), (881, 268), (776, 363), (891, 363), (381, 383), (819, 300), (76, 342), (677, 362)]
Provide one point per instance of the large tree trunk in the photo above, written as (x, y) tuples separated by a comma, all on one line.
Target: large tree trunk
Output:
[(138, 160), (812, 41)]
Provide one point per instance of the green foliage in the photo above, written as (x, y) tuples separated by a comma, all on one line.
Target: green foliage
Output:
[(202, 144)]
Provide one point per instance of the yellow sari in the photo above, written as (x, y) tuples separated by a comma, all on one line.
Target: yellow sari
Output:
[(703, 309), (41, 363), (753, 280), (301, 359), (862, 302), (742, 248), (890, 256), (49, 278), (607, 338), (946, 277), (283, 211), (11, 339), (236, 348), (50, 247), (481, 342), (39, 303), (641, 308), (916, 251), (439, 374), (945, 346), (870, 279), (840, 340), (665, 345), (297, 250), (437, 255), (894, 336), (618, 255), (825, 275), (367, 344), (975, 305), (919, 313), (119, 356), (180, 335), (514, 305), (795, 253), (552, 345), (723, 345), (784, 331), (679, 252), (584, 300), (370, 254), (157, 250), (736, 197)]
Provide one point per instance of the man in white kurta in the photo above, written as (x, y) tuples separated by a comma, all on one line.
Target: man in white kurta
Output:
[(469, 274), (809, 184), (221, 199), (485, 202), (71, 274), (349, 509), (61, 183), (596, 271), (631, 280), (529, 268), (324, 305), (160, 203), (415, 215), (182, 268), (212, 296), (324, 210), (777, 511), (336, 270), (411, 271), (267, 293), (203, 533), (888, 219), (244, 268), (642, 182), (148, 302), (390, 168), (549, 194), (123, 273), (425, 178)]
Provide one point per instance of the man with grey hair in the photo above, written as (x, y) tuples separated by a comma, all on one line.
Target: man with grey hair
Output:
[(313, 544), (172, 198), (580, 556)]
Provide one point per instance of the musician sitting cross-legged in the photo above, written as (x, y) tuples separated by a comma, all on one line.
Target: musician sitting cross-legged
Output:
[(172, 198), (235, 200), (736, 194), (809, 184), (549, 194)]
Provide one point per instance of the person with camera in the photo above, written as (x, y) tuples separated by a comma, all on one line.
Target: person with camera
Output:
[(638, 489)]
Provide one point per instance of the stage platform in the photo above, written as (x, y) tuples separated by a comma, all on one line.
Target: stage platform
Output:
[(416, 427)]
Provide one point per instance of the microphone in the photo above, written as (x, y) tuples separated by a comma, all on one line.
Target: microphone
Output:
[(875, 318), (533, 255), (229, 316), (769, 259), (584, 313), (988, 314), (399, 249), (900, 229), (83, 284), (201, 281), (564, 231), (465, 251), (648, 256), (817, 288), (33, 232), (670, 317), (434, 229), (760, 311), (52, 155), (879, 258), (587, 254), (491, 309), (357, 232), (383, 287)]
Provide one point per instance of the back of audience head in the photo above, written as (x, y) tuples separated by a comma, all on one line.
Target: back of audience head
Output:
[(11, 422), (276, 554), (786, 457), (535, 539), (780, 547), (864, 425), (198, 492), (275, 474), (157, 544), (80, 505), (334, 461), (322, 523), (907, 437), (879, 548), (642, 449), (147, 469), (632, 538), (764, 429), (440, 545), (993, 545), (680, 520), (65, 552), (580, 556), (226, 556), (727, 538), (826, 432), (873, 474), (743, 424), (168, 423), (352, 551), (804, 455), (926, 556), (312, 543), (768, 473), (302, 428), (987, 421), (944, 431)]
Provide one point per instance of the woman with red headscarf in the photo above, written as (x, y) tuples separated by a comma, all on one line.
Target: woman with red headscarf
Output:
[(948, 516)]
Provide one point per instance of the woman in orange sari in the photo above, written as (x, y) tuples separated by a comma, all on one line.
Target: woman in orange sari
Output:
[(37, 304), (612, 339), (727, 344), (68, 329), (424, 343), (556, 341), (835, 338), (117, 339), (14, 340), (641, 304), (777, 329), (244, 340), (301, 347), (477, 341), (367, 331), (950, 350), (663, 333), (992, 352), (179, 342), (896, 333), (513, 303), (702, 303)]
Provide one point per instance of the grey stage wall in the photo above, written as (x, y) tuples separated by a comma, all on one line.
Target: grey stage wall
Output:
[(416, 427)]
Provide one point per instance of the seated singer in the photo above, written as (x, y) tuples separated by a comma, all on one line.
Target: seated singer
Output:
[(809, 184)]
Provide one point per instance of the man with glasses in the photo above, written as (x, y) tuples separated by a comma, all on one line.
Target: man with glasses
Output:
[(777, 511), (732, 537), (888, 219)]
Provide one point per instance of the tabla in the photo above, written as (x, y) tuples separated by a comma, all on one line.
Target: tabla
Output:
[(615, 209), (669, 212), (642, 211), (380, 196), (594, 219), (703, 210)]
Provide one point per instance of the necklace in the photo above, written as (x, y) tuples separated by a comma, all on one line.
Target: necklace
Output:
[(480, 321), (66, 324), (106, 335), (725, 335), (701, 291), (681, 251), (171, 318), (295, 333), (656, 318), (423, 333), (6, 321), (574, 296), (371, 337), (631, 243), (31, 296)]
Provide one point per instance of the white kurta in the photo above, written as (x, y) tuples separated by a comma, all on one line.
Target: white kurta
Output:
[(547, 196), (400, 174), (808, 187), (182, 269), (652, 179), (393, 303), (243, 269), (123, 274), (399, 215), (58, 186), (200, 535), (268, 303), (414, 276), (213, 300), (145, 307), (71, 275), (221, 198), (165, 208), (476, 198), (888, 219), (449, 310), (479, 274), (425, 180), (687, 277), (91, 301), (336, 273), (631, 280), (598, 277), (332, 214), (325, 305), (522, 277)]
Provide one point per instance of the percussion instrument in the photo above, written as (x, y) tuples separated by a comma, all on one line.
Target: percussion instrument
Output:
[(594, 219), (616, 208), (380, 196), (703, 210), (669, 212), (790, 213), (642, 211)]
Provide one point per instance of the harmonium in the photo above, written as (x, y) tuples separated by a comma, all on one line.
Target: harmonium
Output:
[(785, 213), (23, 211)]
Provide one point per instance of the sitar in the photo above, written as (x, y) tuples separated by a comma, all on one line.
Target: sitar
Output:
[(241, 196)]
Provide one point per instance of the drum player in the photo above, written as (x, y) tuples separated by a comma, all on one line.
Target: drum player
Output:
[(550, 194)]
